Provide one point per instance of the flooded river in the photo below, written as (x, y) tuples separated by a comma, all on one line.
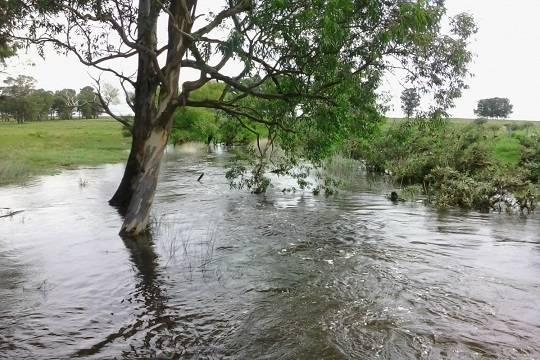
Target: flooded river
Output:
[(228, 274)]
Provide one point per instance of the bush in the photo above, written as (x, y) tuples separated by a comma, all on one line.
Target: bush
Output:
[(530, 156), (469, 166), (447, 187), (205, 125), (194, 124), (12, 171)]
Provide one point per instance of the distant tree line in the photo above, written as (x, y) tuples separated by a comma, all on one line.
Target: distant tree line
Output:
[(21, 101), (494, 108)]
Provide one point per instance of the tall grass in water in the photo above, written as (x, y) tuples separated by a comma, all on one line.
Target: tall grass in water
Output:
[(343, 169), (191, 249), (11, 172)]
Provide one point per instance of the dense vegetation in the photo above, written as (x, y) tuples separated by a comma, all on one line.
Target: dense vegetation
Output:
[(309, 70), (480, 165), (211, 126), (474, 165), (20, 100)]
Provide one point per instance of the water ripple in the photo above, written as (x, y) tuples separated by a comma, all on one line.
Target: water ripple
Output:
[(227, 274)]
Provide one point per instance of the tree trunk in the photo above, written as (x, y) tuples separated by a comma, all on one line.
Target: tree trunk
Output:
[(145, 181), (122, 196), (135, 193), (154, 108)]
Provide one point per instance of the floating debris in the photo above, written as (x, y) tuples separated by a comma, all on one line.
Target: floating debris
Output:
[(6, 212)]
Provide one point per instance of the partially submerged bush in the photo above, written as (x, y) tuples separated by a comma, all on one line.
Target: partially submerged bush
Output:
[(342, 168), (470, 166), (447, 187)]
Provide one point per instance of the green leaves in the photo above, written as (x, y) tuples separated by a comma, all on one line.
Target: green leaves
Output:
[(311, 69), (279, 4)]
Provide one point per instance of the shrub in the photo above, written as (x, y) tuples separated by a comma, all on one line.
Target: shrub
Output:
[(469, 166), (447, 187)]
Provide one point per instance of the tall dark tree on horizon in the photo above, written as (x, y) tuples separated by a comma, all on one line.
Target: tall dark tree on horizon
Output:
[(410, 101), (494, 108), (310, 69)]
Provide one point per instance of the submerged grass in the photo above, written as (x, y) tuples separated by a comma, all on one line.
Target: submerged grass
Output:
[(13, 171), (343, 168), (192, 249), (37, 148)]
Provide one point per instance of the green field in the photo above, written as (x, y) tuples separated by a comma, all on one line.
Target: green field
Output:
[(37, 148), (502, 136), (499, 122)]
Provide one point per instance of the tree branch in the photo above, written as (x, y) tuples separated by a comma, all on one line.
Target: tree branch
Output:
[(105, 104), (241, 6)]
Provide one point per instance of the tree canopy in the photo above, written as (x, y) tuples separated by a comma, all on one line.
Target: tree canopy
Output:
[(88, 103), (6, 46), (410, 101), (308, 71), (494, 108), (20, 100)]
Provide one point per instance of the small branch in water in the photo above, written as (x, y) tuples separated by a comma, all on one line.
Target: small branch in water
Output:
[(10, 214), (200, 177)]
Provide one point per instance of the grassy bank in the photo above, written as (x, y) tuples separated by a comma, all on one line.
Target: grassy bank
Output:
[(471, 164), (37, 148), (468, 121)]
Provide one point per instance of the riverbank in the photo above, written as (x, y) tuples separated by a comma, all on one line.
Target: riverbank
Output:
[(466, 164), (40, 148)]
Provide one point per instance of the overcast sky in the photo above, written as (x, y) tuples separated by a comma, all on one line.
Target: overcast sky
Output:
[(506, 63)]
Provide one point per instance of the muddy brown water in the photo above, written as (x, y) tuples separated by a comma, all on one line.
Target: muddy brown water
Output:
[(228, 274)]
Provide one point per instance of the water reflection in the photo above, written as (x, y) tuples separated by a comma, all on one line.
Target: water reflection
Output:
[(148, 299)]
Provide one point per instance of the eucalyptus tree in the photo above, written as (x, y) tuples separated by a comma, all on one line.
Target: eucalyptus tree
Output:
[(410, 101), (40, 103), (65, 103), (311, 67), (16, 94), (19, 86), (88, 103)]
